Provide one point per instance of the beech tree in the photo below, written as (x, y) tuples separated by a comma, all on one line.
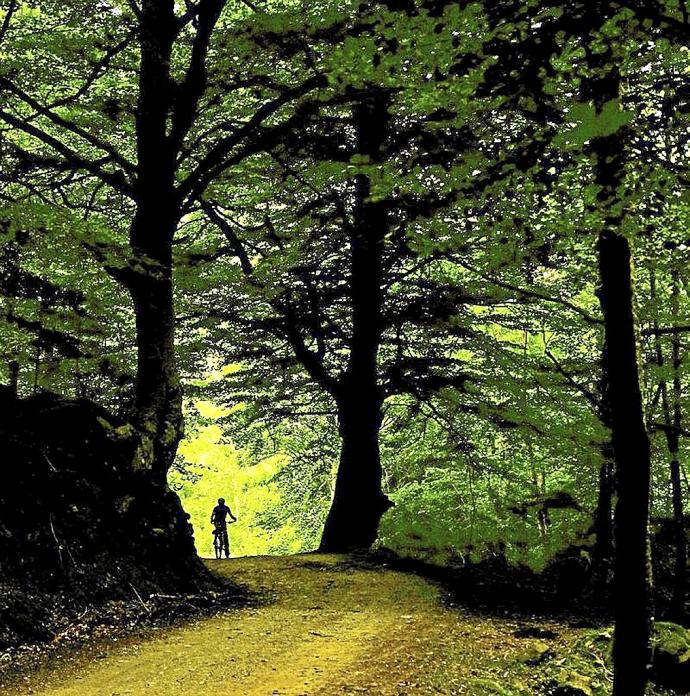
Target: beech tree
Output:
[(136, 123), (432, 140), (450, 238)]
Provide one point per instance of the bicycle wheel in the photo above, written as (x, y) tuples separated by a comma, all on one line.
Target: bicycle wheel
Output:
[(217, 546)]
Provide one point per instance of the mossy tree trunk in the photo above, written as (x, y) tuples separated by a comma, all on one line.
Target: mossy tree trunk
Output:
[(158, 391)]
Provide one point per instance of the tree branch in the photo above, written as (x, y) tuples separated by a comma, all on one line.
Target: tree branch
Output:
[(590, 396), (11, 9), (218, 158), (114, 179), (666, 330), (233, 239), (194, 84), (67, 125), (536, 294)]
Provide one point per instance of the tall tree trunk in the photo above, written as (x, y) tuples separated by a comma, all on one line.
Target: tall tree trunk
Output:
[(358, 500), (603, 551), (158, 394), (674, 424), (158, 390), (631, 446), (672, 411), (632, 598)]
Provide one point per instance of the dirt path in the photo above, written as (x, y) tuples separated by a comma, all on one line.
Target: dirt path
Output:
[(333, 629)]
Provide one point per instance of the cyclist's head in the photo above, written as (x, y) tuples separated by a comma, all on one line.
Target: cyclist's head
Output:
[(221, 501)]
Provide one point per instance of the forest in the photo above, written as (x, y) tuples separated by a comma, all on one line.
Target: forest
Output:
[(406, 283)]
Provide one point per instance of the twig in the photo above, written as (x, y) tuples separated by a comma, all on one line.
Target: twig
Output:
[(592, 398), (50, 464), (212, 596), (57, 541), (60, 546), (143, 603)]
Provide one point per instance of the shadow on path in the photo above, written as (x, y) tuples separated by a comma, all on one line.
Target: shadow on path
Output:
[(333, 627)]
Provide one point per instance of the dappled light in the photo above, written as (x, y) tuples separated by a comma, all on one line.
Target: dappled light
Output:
[(211, 466), (336, 628), (344, 347)]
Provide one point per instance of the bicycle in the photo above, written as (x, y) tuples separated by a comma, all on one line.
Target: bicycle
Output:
[(221, 540)]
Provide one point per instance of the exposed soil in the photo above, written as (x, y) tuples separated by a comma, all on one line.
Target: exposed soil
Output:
[(333, 626)]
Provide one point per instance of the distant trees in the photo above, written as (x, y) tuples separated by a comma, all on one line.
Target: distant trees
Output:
[(670, 400), (391, 208), (597, 52), (539, 156)]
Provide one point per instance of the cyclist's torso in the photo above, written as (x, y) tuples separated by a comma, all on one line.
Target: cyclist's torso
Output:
[(220, 515)]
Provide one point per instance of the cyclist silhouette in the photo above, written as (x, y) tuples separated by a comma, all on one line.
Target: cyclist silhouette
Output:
[(220, 527)]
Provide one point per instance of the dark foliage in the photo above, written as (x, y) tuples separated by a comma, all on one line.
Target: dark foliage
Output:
[(78, 527)]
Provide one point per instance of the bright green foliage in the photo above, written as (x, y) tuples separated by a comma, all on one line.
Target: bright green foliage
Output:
[(590, 124), (499, 175), (212, 467)]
